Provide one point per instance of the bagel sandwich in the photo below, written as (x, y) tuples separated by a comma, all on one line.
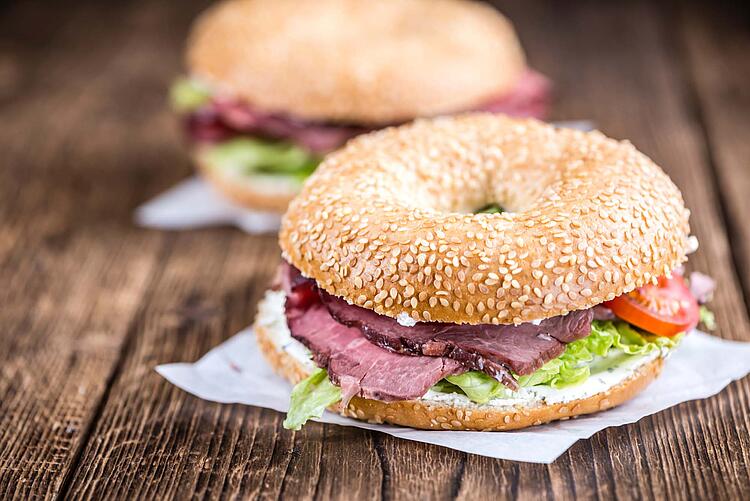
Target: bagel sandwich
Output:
[(273, 85), (478, 273)]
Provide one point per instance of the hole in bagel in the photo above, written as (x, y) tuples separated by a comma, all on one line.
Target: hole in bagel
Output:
[(492, 208), (484, 188)]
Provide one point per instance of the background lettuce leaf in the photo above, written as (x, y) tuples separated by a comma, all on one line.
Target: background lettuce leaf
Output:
[(248, 156), (310, 397), (707, 318), (187, 94)]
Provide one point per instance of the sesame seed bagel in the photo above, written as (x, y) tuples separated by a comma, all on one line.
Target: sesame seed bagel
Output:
[(439, 415), (356, 61), (387, 222)]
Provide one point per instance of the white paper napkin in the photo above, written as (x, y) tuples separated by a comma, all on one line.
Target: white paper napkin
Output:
[(193, 203), (235, 372)]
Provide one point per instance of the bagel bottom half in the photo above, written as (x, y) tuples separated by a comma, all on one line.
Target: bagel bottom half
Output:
[(263, 193), (438, 415)]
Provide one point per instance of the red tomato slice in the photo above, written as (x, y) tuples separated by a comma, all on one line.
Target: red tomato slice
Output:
[(665, 309)]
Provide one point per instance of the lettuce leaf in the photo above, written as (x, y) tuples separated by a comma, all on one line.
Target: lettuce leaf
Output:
[(478, 386), (490, 209), (310, 397), (601, 349), (248, 156), (609, 344), (444, 386), (187, 94), (707, 318)]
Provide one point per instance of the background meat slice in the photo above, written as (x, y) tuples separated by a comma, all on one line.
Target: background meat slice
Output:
[(222, 119), (529, 98), (225, 118)]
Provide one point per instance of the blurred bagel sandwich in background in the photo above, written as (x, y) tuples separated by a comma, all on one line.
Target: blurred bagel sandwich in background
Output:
[(273, 85)]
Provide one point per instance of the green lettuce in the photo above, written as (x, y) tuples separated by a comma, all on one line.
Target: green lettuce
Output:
[(310, 397), (248, 156), (707, 318), (478, 386), (490, 209), (187, 94), (609, 344)]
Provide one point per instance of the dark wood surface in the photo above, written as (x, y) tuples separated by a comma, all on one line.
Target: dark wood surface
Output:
[(89, 304)]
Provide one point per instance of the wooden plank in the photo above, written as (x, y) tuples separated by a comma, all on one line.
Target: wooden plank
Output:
[(72, 274), (617, 462), (615, 64), (75, 271), (179, 295), (421, 470), (716, 39), (154, 440), (151, 430)]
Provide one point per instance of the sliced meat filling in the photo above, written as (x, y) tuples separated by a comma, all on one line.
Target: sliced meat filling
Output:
[(494, 349), (489, 348), (359, 367)]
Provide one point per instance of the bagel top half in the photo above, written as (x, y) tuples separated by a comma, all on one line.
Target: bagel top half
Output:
[(388, 222), (356, 61)]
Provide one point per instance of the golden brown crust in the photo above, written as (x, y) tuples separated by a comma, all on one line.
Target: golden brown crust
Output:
[(440, 416), (387, 223), (249, 192), (356, 60)]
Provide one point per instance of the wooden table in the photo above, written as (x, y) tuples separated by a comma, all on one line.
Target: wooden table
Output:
[(89, 304)]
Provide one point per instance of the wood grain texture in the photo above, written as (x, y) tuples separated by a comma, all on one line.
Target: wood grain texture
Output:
[(633, 87), (67, 300), (92, 304), (715, 40)]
